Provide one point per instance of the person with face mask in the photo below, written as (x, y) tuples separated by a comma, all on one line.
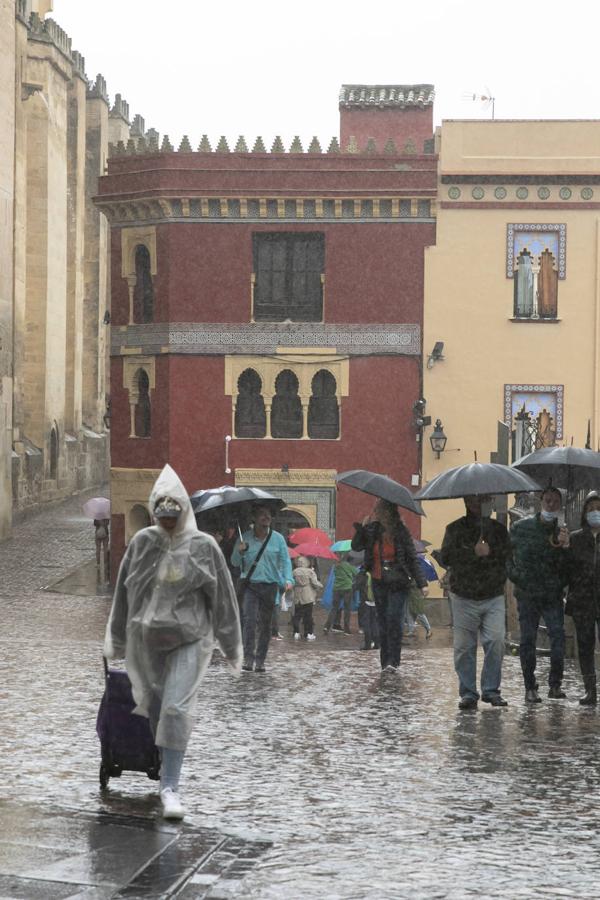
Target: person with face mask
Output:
[(538, 570), (583, 600), (475, 550), (173, 603)]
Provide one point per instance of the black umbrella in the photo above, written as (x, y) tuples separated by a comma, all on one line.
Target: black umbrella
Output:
[(476, 478), (380, 486), (214, 498), (572, 468)]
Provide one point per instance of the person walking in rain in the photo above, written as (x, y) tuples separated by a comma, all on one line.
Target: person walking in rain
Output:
[(476, 549), (583, 599), (538, 572), (265, 570), (174, 600), (343, 577), (391, 559)]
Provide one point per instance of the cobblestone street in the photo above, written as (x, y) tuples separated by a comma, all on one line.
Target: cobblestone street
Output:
[(319, 779)]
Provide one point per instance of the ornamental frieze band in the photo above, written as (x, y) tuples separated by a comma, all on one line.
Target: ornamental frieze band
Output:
[(265, 338), (314, 477)]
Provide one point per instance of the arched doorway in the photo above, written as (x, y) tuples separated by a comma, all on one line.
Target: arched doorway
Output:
[(288, 520), (138, 518)]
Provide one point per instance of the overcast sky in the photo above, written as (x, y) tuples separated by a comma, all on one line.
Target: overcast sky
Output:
[(273, 67)]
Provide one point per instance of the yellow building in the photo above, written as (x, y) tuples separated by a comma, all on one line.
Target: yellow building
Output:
[(512, 291)]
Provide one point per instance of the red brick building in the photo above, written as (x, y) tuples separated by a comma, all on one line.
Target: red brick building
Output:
[(267, 309)]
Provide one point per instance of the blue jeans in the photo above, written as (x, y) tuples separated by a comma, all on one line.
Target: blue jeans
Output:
[(390, 604), (529, 620), (473, 618)]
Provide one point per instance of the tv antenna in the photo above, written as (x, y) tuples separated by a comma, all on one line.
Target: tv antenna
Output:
[(486, 99)]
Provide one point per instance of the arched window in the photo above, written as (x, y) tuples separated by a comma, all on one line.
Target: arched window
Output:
[(548, 286), (286, 409), (323, 410), (524, 287), (143, 413), (250, 417), (143, 295), (54, 453)]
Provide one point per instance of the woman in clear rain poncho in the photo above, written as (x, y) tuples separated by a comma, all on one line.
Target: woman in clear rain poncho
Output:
[(173, 602)]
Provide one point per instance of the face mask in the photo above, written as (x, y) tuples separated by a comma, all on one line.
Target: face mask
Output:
[(593, 518), (548, 515), (486, 509)]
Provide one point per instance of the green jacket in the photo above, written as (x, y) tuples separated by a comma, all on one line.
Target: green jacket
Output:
[(343, 576), (537, 569)]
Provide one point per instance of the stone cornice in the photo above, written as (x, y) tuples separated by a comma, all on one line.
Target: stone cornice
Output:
[(218, 339), (412, 206)]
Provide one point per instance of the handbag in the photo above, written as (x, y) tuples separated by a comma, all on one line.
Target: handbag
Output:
[(395, 574), (243, 582)]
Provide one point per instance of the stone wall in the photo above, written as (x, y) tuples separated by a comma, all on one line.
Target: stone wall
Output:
[(7, 162), (54, 281)]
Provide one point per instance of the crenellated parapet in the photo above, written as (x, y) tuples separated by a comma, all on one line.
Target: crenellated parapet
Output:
[(153, 144), (79, 64), (386, 96), (120, 108), (97, 90), (49, 32)]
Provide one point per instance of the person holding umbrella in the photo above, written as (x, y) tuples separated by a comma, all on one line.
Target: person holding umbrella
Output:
[(392, 561), (476, 549), (265, 571), (583, 599), (538, 570)]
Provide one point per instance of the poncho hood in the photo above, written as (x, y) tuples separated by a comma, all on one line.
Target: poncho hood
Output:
[(168, 484)]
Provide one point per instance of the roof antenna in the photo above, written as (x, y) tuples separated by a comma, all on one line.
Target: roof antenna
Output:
[(475, 455), (486, 99)]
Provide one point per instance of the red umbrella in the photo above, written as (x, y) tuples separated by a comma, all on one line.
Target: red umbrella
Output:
[(314, 549), (311, 536), (292, 553)]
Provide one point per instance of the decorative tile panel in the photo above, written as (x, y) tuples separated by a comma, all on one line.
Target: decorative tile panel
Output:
[(537, 237), (544, 396)]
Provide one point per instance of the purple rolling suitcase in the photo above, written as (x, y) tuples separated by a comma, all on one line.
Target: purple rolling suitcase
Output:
[(125, 739)]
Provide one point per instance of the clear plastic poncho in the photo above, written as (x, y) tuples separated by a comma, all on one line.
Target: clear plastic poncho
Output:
[(173, 602)]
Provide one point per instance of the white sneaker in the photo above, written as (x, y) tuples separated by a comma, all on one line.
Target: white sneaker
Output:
[(171, 804), (311, 637), (296, 635)]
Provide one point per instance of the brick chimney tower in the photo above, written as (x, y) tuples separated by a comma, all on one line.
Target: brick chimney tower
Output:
[(376, 114)]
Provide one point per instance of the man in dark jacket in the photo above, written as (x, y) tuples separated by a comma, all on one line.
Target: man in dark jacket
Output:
[(476, 549), (538, 570)]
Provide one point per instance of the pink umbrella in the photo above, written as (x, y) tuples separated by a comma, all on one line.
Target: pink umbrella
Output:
[(311, 536), (97, 508), (292, 553), (314, 549)]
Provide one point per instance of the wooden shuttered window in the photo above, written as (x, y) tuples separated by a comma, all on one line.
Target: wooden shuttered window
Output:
[(288, 268)]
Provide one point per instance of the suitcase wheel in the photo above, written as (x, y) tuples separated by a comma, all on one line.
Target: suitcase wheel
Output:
[(104, 776)]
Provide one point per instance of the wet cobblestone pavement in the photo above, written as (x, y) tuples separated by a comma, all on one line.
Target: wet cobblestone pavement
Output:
[(365, 787)]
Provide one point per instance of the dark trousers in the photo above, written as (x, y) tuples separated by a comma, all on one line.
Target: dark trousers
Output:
[(553, 615), (259, 600), (340, 598), (390, 604), (303, 612), (585, 629), (367, 620)]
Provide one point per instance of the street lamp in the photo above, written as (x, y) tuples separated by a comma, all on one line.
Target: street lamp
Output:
[(438, 439)]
